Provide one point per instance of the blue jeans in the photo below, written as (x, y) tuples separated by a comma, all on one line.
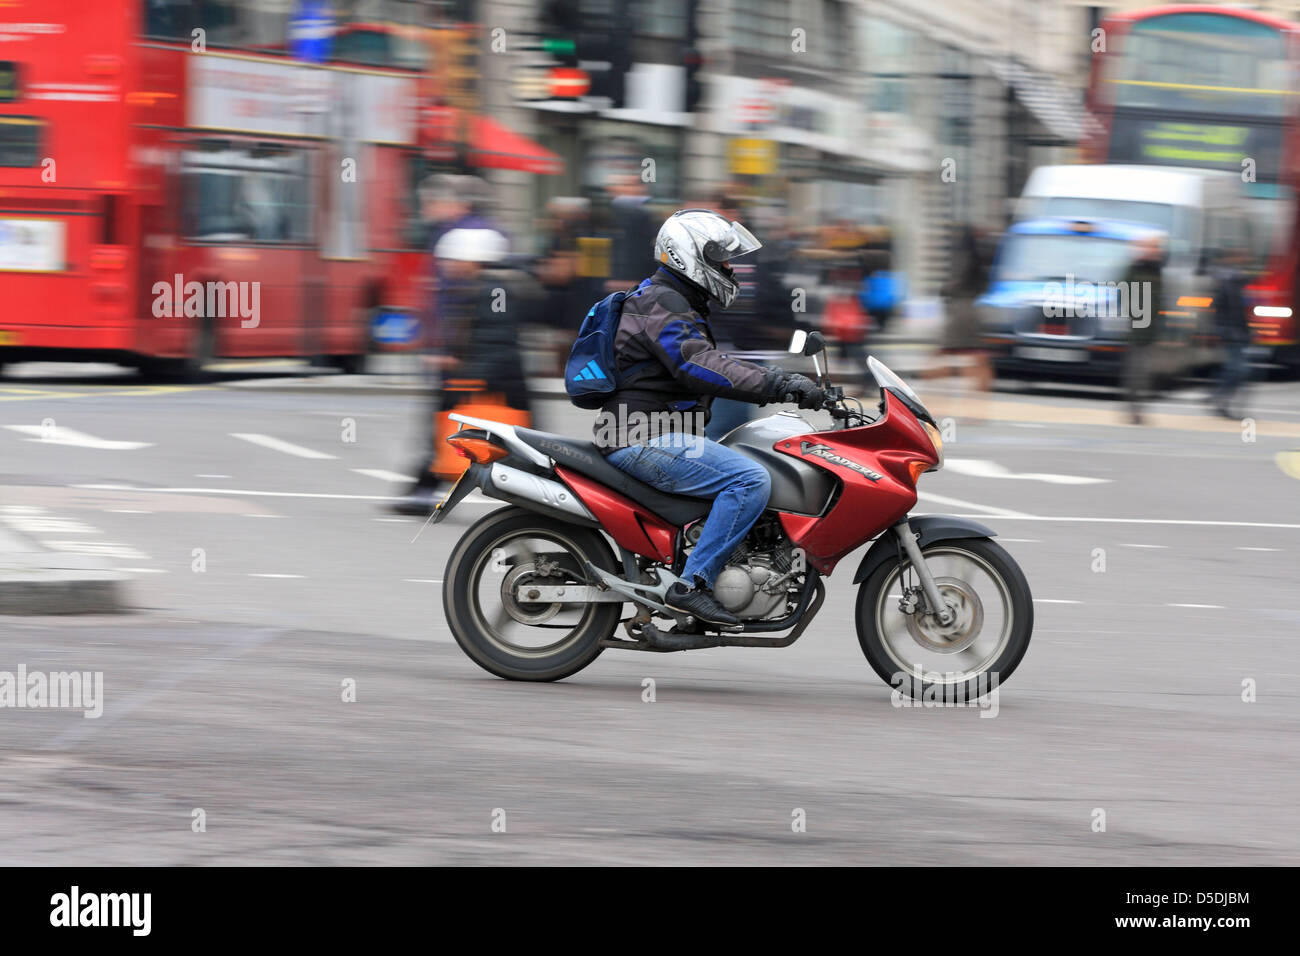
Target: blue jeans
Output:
[(687, 465), (1232, 373), (726, 414)]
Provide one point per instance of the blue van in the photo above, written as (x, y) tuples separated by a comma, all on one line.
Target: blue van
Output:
[(1058, 301)]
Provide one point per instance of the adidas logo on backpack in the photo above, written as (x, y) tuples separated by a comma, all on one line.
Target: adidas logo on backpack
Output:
[(590, 371)]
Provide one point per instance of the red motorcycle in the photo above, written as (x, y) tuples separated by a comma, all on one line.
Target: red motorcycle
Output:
[(535, 591)]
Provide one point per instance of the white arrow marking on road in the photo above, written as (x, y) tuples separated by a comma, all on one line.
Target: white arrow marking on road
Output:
[(58, 435), (383, 475), (983, 468), (956, 503), (275, 444)]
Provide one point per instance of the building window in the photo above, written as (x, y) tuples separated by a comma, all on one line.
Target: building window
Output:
[(660, 18), (762, 26), (890, 52)]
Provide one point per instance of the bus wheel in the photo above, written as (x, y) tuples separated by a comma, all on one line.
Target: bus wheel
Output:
[(355, 364), (191, 368)]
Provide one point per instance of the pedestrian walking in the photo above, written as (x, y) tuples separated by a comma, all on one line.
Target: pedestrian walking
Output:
[(1146, 274), (1232, 324), (960, 348)]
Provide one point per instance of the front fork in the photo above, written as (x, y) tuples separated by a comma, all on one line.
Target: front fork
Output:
[(943, 614)]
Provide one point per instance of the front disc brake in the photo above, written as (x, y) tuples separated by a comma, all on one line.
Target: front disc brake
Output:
[(958, 634)]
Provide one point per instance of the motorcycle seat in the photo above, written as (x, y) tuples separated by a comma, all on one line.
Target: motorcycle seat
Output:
[(585, 458)]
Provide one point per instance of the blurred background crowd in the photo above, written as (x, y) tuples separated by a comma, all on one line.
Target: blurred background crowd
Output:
[(880, 149)]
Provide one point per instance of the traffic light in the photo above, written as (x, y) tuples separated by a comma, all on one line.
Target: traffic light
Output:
[(599, 46), (692, 60)]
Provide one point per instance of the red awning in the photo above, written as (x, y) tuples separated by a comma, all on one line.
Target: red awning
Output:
[(494, 146)]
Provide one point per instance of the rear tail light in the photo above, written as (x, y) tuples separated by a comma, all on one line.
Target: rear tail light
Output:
[(478, 450)]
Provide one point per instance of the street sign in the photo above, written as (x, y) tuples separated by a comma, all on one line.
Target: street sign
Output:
[(311, 31), (752, 157), (394, 328)]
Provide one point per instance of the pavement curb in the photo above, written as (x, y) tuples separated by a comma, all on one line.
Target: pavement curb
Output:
[(36, 581)]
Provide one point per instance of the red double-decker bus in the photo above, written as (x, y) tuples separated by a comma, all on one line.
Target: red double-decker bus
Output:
[(165, 201), (1213, 87)]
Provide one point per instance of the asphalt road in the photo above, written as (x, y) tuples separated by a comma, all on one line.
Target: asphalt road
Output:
[(224, 688)]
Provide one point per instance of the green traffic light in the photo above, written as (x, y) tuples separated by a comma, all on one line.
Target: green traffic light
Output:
[(559, 46)]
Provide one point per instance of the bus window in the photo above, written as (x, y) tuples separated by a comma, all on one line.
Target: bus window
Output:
[(222, 21), (257, 194), (20, 141)]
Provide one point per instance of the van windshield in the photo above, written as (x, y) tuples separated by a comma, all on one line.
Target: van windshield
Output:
[(1169, 219), (1040, 258)]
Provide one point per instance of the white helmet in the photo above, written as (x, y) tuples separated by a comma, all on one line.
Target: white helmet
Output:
[(472, 245), (697, 243)]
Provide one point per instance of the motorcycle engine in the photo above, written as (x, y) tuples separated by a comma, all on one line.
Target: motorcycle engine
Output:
[(740, 588)]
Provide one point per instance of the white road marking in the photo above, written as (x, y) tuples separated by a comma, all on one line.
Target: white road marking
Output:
[(422, 580), (102, 549), (240, 492), (469, 499), (1021, 540), (1208, 607), (276, 575), (146, 570), (48, 524), (1054, 601), (1259, 549), (275, 444), (211, 476), (1161, 546), (959, 503), (383, 475), (128, 511), (983, 468), (58, 435), (1174, 521), (106, 487), (253, 515)]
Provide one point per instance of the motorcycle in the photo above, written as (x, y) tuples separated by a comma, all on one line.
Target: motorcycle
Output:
[(535, 591)]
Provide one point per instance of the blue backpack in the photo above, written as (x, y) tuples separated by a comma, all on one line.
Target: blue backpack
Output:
[(590, 374)]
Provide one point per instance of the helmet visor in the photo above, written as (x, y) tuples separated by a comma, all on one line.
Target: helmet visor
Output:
[(737, 242)]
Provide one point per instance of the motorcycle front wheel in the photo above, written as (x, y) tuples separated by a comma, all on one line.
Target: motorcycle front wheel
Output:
[(493, 565), (970, 656)]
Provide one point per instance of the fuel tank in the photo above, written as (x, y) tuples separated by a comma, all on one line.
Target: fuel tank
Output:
[(797, 487)]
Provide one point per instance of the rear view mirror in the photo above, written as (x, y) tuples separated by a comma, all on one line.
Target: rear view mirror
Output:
[(814, 344)]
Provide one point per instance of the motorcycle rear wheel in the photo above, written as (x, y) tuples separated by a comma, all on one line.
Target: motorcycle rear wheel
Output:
[(509, 548), (967, 659)]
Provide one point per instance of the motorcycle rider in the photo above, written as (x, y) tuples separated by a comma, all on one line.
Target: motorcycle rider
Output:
[(652, 425)]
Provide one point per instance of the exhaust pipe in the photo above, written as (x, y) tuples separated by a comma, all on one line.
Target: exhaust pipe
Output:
[(536, 493)]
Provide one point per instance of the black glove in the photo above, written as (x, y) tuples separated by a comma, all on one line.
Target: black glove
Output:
[(793, 387)]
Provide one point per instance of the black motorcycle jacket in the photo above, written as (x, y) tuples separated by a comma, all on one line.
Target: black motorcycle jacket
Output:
[(671, 367)]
